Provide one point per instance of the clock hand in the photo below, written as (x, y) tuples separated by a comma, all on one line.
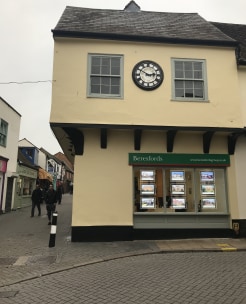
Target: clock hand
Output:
[(149, 75)]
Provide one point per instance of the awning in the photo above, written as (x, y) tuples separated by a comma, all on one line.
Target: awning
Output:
[(42, 174)]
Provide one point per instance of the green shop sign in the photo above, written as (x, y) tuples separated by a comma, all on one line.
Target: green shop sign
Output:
[(179, 159)]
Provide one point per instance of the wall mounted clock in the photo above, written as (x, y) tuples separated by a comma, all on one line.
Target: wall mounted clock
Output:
[(147, 75)]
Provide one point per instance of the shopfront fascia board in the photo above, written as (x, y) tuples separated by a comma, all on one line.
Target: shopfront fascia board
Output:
[(191, 160)]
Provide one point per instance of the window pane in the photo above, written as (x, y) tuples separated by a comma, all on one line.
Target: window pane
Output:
[(115, 81), (115, 71), (105, 81), (95, 60), (179, 72), (198, 70), (95, 85), (95, 65), (95, 89), (188, 70), (198, 89), (197, 74), (198, 93), (95, 80), (95, 70), (115, 90), (198, 84), (3, 132), (115, 66), (179, 93), (105, 70), (188, 84), (189, 93), (179, 88), (105, 89)]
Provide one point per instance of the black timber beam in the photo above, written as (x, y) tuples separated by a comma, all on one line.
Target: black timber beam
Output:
[(77, 139), (170, 139), (137, 139), (104, 138), (207, 137)]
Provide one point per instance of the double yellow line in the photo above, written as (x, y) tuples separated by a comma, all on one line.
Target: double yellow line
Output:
[(226, 247)]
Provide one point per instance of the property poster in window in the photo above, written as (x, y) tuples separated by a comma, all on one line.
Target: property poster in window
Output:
[(177, 176), (147, 175), (147, 203), (207, 176), (178, 189), (178, 203), (209, 203), (208, 189), (147, 189)]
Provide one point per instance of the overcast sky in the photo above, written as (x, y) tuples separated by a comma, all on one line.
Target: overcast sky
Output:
[(27, 51)]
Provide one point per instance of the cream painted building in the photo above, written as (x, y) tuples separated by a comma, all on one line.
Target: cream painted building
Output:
[(238, 32), (10, 121), (147, 113)]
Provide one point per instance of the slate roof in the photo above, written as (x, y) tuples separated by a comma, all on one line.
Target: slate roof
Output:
[(237, 32), (139, 26)]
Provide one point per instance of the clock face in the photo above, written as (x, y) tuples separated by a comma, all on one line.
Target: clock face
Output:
[(147, 75)]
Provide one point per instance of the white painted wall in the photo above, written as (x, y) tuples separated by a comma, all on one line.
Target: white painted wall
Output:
[(13, 118)]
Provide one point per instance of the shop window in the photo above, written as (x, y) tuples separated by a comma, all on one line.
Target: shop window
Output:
[(189, 80), (105, 76), (27, 186), (179, 190)]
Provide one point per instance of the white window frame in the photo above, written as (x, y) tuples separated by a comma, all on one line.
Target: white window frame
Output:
[(192, 79), (3, 132), (120, 76)]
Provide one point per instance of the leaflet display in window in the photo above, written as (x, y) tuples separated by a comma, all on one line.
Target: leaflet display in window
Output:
[(207, 176), (178, 189), (208, 203), (147, 203), (147, 189), (208, 189), (147, 175), (178, 203), (177, 176)]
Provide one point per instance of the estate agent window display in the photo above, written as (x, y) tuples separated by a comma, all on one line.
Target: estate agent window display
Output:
[(180, 190)]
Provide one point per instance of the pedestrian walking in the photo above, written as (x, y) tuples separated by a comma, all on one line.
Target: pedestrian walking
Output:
[(59, 193), (50, 200), (36, 200)]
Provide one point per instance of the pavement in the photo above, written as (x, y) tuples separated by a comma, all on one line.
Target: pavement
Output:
[(25, 253)]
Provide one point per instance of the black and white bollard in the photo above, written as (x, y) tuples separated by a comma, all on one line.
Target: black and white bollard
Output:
[(52, 241)]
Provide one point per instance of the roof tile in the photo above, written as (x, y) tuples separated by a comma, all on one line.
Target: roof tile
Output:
[(135, 24)]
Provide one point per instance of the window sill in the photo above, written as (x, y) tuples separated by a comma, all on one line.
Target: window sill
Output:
[(191, 100)]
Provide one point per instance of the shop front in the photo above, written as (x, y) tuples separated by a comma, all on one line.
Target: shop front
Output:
[(180, 195), (26, 183)]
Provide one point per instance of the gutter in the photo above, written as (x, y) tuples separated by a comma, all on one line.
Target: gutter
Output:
[(120, 37)]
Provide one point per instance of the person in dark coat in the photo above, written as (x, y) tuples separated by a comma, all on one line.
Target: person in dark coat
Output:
[(50, 200), (59, 194), (37, 197)]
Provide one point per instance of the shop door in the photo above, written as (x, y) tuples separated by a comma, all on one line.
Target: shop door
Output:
[(9, 194)]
